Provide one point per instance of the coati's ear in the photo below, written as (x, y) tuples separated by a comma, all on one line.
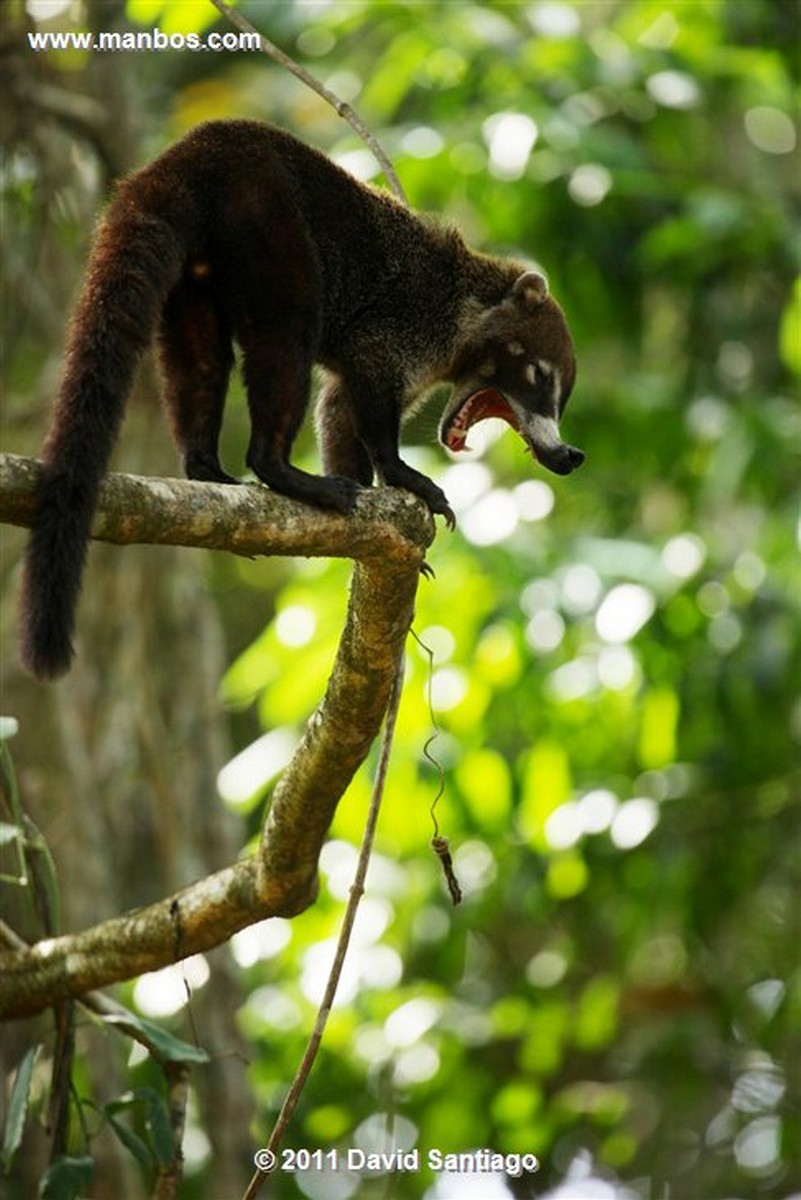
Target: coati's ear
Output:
[(530, 289), (526, 294)]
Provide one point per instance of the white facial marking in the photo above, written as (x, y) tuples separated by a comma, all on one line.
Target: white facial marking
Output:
[(516, 348), (557, 388), (544, 431), (552, 372), (530, 373)]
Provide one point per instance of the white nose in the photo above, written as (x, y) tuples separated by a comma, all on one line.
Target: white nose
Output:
[(549, 448)]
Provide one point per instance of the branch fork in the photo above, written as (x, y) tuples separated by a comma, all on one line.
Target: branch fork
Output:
[(387, 538)]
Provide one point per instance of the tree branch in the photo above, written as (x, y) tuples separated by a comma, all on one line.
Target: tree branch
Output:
[(341, 107), (248, 520), (387, 537)]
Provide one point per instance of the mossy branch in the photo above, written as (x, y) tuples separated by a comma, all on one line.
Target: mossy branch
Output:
[(387, 538)]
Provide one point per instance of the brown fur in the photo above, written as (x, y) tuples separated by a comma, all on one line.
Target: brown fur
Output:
[(241, 233)]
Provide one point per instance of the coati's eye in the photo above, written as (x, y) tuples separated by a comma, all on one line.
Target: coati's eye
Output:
[(552, 374)]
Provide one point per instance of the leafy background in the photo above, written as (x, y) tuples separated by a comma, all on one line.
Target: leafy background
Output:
[(617, 655)]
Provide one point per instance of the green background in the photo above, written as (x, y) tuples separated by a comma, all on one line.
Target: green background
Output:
[(617, 654)]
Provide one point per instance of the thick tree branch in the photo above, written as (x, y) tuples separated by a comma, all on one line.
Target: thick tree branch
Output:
[(247, 520), (387, 536)]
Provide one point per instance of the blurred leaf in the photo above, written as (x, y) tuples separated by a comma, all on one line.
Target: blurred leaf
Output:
[(484, 780), (66, 1178), (790, 331), (546, 785), (567, 876), (596, 1016), (17, 1111), (660, 715), (173, 16), (132, 1143), (167, 1047)]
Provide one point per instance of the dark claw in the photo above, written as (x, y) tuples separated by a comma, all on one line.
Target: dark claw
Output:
[(436, 501), (427, 570), (444, 509)]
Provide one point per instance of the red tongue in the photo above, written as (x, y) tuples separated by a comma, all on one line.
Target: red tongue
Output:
[(477, 407)]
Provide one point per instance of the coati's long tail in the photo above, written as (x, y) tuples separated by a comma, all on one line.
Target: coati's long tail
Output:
[(135, 261)]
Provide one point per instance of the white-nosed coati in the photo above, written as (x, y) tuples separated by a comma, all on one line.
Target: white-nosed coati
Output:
[(241, 233)]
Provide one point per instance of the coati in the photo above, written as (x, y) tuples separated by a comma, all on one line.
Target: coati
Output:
[(242, 233)]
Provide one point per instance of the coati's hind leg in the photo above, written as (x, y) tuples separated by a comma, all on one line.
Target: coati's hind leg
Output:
[(271, 279), (342, 450), (196, 359)]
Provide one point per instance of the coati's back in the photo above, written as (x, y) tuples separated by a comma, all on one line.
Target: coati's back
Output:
[(198, 198), (363, 238), (241, 230)]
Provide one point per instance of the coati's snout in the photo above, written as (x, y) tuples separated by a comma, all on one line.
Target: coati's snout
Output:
[(520, 367), (542, 434), (565, 460)]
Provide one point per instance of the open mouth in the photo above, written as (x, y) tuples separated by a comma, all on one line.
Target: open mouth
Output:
[(540, 434), (477, 407)]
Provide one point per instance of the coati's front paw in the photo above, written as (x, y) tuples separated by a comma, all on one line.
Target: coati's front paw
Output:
[(399, 474)]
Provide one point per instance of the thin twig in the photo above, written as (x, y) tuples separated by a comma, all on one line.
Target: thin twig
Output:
[(439, 844), (341, 107), (169, 1175), (435, 763), (356, 893)]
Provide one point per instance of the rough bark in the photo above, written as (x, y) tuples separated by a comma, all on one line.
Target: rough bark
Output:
[(387, 538)]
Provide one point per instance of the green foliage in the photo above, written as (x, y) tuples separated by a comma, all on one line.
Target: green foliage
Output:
[(162, 1045), (18, 1107), (617, 654), (66, 1178)]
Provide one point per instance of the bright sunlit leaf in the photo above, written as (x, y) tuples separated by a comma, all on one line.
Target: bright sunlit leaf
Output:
[(546, 785), (660, 715)]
